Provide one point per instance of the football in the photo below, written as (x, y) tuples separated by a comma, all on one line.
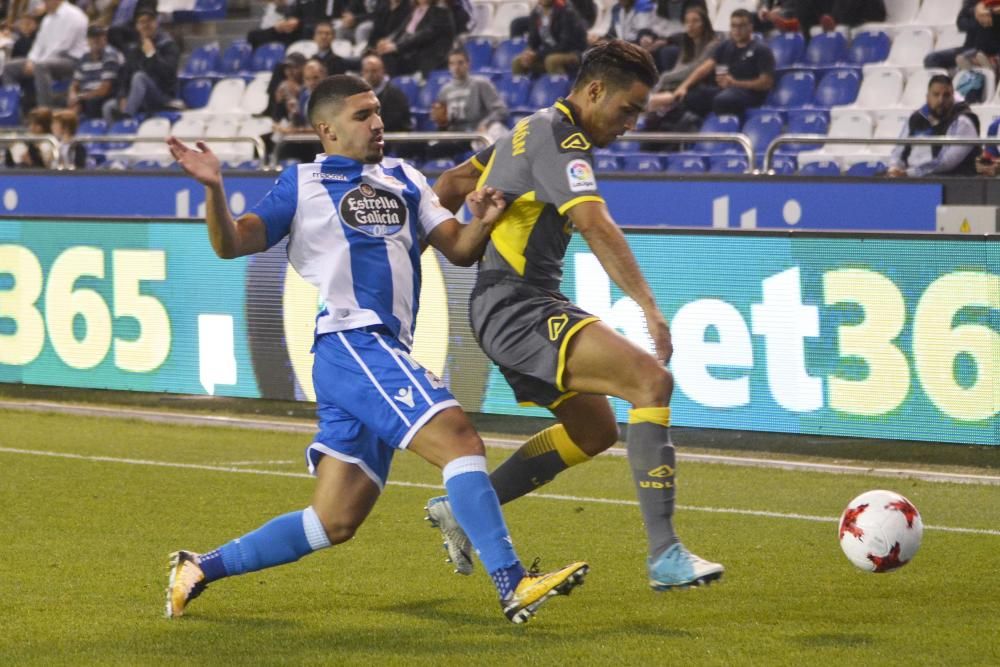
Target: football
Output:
[(880, 531)]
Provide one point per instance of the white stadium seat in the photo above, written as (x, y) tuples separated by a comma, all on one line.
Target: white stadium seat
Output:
[(881, 88), (721, 18), (938, 12), (903, 11), (949, 37), (849, 123), (306, 47), (888, 125), (504, 13), (910, 45)]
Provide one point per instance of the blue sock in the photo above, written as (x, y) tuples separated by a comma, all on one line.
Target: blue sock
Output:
[(477, 510), (281, 540)]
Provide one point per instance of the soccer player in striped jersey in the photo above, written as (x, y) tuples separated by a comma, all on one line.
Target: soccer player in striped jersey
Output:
[(356, 222)]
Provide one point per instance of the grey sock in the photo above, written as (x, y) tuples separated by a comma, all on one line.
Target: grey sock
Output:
[(522, 474), (652, 459)]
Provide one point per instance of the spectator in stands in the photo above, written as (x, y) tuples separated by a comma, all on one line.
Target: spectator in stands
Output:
[(300, 20), (395, 106), (850, 12), (286, 88), (982, 46), (358, 20), (556, 38), (388, 17), (585, 9), (298, 124), (64, 125), (121, 29), (786, 16), (975, 19), (696, 44), (23, 37), (61, 39), (940, 117), (629, 18), (467, 103), (323, 37), (29, 153), (96, 75), (988, 162), (743, 69), (421, 43), (669, 16), (149, 78)]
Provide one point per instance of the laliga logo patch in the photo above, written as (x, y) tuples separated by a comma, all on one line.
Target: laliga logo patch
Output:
[(373, 211), (581, 176)]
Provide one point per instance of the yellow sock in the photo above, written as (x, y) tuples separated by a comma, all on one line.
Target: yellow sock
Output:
[(659, 416), (555, 438)]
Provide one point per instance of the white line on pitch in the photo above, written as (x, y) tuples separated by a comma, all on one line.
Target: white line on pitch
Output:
[(437, 487), (192, 419), (258, 463)]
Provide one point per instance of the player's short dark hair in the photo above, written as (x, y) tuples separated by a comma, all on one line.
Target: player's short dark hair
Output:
[(618, 64), (940, 78), (741, 14), (332, 90)]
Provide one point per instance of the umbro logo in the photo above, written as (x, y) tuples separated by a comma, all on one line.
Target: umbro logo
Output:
[(405, 396)]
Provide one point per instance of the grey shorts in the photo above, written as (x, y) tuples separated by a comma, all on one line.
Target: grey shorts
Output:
[(525, 330)]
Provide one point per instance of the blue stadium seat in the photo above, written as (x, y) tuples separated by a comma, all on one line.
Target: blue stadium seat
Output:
[(788, 48), (204, 10), (266, 56), (869, 47), (821, 168), (202, 62), (438, 77), (514, 89), (783, 165), (235, 59), (725, 124), (124, 126), (642, 163), (410, 86), (440, 164), (727, 164), (607, 163), (10, 106), (196, 93), (806, 121), (685, 163), (838, 87), (867, 168), (547, 89), (505, 52), (762, 128), (825, 50), (623, 147), (480, 51), (93, 126), (429, 91), (795, 89)]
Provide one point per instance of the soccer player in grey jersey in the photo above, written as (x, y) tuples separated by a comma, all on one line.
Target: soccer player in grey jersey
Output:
[(551, 352)]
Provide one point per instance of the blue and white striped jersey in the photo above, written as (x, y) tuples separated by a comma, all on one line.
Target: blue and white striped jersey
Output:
[(355, 232)]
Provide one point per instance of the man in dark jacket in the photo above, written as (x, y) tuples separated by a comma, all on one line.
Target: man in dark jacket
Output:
[(149, 77), (421, 43), (940, 117), (981, 26), (556, 38)]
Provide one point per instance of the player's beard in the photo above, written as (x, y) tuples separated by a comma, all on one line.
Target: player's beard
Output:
[(375, 153)]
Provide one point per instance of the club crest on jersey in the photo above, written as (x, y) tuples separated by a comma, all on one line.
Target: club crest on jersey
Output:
[(581, 176), (373, 211)]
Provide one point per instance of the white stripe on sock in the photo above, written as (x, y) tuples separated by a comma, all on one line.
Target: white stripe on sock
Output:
[(463, 464), (315, 532)]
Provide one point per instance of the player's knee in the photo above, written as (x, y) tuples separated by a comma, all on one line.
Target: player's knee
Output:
[(656, 385), (338, 531)]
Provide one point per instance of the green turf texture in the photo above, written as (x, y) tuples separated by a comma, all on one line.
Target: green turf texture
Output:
[(85, 544)]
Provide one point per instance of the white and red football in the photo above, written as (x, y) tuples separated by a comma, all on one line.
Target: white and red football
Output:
[(880, 531)]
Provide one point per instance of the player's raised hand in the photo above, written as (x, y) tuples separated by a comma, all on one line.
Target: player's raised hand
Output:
[(659, 331), (486, 204), (202, 164)]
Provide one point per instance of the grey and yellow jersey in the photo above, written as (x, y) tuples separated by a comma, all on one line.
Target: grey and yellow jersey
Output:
[(544, 169)]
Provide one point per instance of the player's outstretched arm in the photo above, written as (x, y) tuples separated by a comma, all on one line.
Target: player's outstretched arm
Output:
[(230, 238), (604, 237), (455, 183), (463, 245)]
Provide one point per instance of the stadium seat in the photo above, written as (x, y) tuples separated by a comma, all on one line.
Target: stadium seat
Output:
[(307, 47), (938, 12), (720, 19), (849, 123), (642, 163), (869, 47), (948, 37), (440, 164), (10, 106), (788, 48), (867, 168), (266, 56), (505, 53), (624, 147), (503, 14), (124, 126), (235, 59), (881, 88), (607, 163), (254, 100), (152, 128), (482, 17), (204, 10), (410, 86), (196, 93), (480, 51), (547, 89), (342, 48), (225, 97), (837, 88), (428, 93), (257, 126), (915, 93), (762, 129), (910, 45), (783, 165), (888, 125), (188, 127), (900, 12), (805, 122), (820, 168), (795, 89), (93, 127), (727, 164), (202, 62), (825, 50), (685, 163), (227, 126), (718, 124), (514, 89)]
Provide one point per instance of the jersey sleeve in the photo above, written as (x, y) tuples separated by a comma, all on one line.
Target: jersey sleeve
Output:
[(562, 170), (482, 158), (430, 210), (277, 208)]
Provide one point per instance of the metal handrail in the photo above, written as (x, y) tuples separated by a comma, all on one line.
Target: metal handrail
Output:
[(688, 137), (257, 142), (14, 137), (898, 141), (398, 137)]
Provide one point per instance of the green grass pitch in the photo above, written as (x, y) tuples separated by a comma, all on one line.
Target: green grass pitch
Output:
[(85, 543)]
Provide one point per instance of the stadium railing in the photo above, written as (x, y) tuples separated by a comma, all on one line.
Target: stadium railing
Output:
[(394, 137), (781, 140), (8, 138), (739, 138), (257, 142)]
